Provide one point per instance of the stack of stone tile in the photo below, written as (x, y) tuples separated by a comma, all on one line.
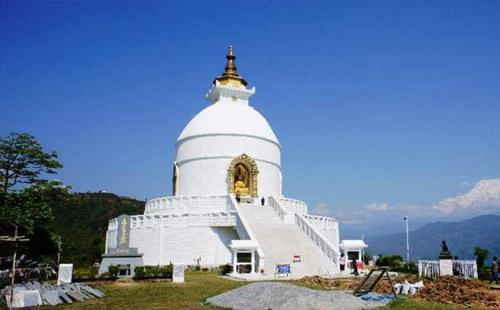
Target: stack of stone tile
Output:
[(34, 294)]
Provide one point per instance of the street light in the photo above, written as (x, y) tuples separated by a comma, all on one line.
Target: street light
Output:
[(407, 240)]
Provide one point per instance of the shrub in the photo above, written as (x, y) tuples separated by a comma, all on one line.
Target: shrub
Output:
[(394, 262), (410, 267), (153, 272), (82, 274), (483, 273), (113, 271), (225, 269)]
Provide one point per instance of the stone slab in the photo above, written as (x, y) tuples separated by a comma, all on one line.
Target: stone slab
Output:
[(65, 274), (178, 273)]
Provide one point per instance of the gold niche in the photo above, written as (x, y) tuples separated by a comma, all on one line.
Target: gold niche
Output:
[(242, 176)]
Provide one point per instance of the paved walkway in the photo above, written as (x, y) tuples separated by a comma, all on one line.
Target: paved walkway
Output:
[(277, 296)]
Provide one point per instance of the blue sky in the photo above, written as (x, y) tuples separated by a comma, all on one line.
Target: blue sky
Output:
[(395, 102)]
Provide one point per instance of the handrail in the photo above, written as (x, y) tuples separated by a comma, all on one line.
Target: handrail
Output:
[(322, 222), (325, 246), (247, 233), (278, 209), (285, 208)]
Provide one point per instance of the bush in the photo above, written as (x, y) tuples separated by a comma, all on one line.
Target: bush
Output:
[(83, 274), (153, 272), (113, 271), (410, 267), (483, 273), (394, 262), (225, 269)]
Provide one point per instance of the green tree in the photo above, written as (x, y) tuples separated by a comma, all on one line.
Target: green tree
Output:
[(23, 161), (24, 192), (481, 255)]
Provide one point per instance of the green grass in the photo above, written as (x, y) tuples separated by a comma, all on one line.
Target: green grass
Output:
[(145, 295)]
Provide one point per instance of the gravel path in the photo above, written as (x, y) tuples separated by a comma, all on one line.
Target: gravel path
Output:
[(276, 296)]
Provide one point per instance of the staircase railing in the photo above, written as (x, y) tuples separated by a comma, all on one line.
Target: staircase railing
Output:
[(321, 242), (244, 231), (278, 209), (285, 208)]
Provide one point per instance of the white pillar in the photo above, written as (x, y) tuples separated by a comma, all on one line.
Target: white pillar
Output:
[(234, 262), (253, 262), (161, 240), (106, 245)]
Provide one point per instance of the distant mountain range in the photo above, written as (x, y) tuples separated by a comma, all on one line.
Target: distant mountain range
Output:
[(461, 237)]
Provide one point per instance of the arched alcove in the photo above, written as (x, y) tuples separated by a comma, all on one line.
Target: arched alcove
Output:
[(242, 176)]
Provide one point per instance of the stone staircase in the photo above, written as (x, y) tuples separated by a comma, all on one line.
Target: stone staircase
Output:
[(280, 242)]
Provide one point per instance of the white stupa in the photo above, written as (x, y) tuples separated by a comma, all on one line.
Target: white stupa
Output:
[(227, 153)]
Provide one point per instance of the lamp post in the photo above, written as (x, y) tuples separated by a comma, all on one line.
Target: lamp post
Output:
[(407, 240)]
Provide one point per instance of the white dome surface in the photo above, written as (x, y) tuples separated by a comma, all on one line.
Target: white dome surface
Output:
[(229, 118)]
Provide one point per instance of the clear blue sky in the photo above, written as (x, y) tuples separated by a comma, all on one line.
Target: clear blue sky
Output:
[(372, 101)]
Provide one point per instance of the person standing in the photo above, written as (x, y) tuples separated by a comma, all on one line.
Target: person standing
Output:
[(342, 262), (494, 270), (262, 201), (354, 267), (238, 197)]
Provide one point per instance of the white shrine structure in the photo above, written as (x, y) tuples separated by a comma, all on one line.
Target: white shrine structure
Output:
[(227, 152)]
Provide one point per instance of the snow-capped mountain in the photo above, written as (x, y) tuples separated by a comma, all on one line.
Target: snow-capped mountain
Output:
[(484, 197)]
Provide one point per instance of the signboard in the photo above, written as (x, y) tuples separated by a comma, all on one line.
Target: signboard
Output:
[(296, 259), (283, 269), (445, 267), (178, 273), (123, 238), (65, 274)]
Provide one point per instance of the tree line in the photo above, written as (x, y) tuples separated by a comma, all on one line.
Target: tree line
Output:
[(59, 223)]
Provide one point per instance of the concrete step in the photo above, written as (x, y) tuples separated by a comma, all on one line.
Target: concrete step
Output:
[(281, 242)]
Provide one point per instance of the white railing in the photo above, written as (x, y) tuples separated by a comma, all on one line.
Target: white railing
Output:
[(464, 268), (292, 205), (178, 220), (428, 268), (286, 208), (245, 233), (273, 203), (187, 204), (321, 242), (322, 222)]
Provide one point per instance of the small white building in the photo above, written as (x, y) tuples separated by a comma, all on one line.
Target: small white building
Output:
[(227, 152), (353, 249)]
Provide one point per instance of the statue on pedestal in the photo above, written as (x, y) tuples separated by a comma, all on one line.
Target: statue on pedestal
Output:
[(445, 253)]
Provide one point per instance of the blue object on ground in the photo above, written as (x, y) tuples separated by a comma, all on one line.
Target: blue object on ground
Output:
[(377, 297)]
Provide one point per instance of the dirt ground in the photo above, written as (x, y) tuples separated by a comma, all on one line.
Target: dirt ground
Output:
[(445, 290)]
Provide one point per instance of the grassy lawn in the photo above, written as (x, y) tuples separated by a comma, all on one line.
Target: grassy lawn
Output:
[(145, 295)]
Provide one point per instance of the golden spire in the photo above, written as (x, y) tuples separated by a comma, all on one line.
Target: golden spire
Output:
[(230, 76)]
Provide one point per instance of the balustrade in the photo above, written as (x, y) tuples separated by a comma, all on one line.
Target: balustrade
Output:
[(186, 204), (321, 242)]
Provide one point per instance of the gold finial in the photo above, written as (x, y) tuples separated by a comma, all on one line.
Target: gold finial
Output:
[(230, 76)]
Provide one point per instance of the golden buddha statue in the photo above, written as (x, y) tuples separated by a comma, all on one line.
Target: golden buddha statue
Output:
[(241, 180)]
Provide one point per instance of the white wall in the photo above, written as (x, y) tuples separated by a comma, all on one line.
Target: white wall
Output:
[(204, 162), (184, 244)]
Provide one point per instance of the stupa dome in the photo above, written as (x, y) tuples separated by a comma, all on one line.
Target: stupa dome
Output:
[(227, 118)]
